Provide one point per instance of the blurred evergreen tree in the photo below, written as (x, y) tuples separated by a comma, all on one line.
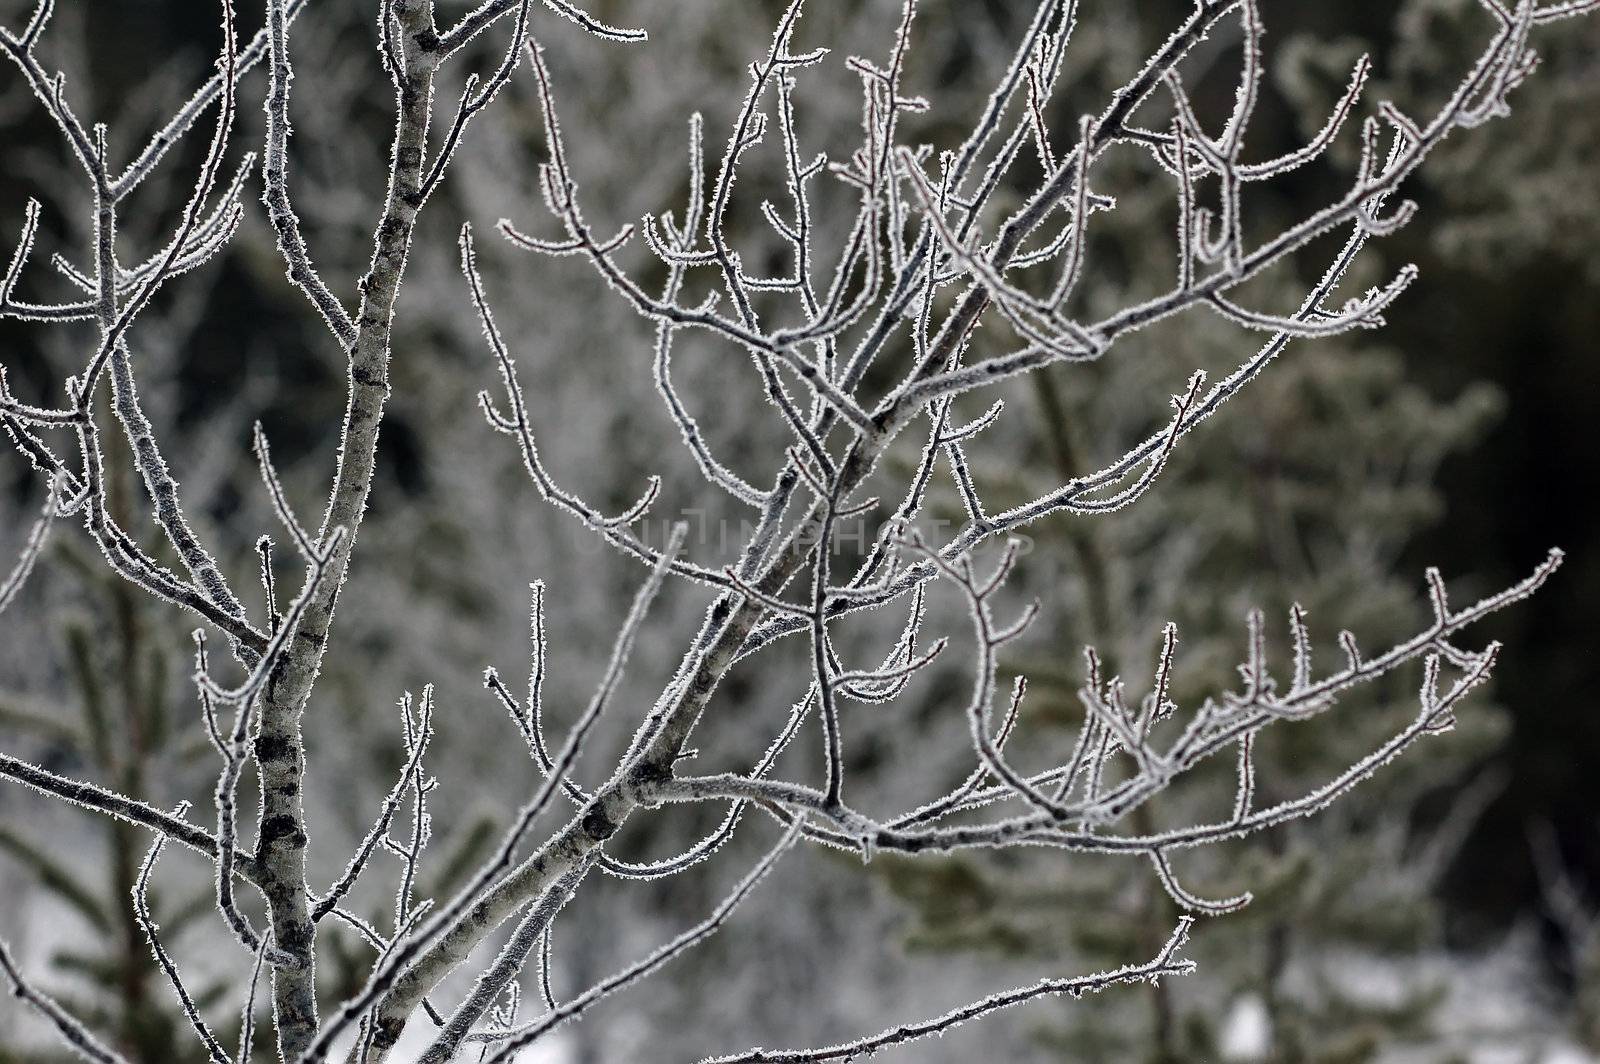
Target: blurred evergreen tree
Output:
[(125, 724)]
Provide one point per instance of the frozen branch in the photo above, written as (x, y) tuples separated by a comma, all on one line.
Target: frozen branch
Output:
[(1165, 963)]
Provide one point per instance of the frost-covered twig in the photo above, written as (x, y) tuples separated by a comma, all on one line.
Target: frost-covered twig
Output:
[(274, 182), (1165, 963), (71, 1030), (152, 934), (103, 800), (515, 1038), (392, 984), (30, 548)]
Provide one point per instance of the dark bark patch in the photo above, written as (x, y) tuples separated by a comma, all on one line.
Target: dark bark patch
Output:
[(597, 823), (282, 829), (272, 747)]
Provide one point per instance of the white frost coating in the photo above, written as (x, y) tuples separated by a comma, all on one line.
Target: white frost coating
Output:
[(860, 329)]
